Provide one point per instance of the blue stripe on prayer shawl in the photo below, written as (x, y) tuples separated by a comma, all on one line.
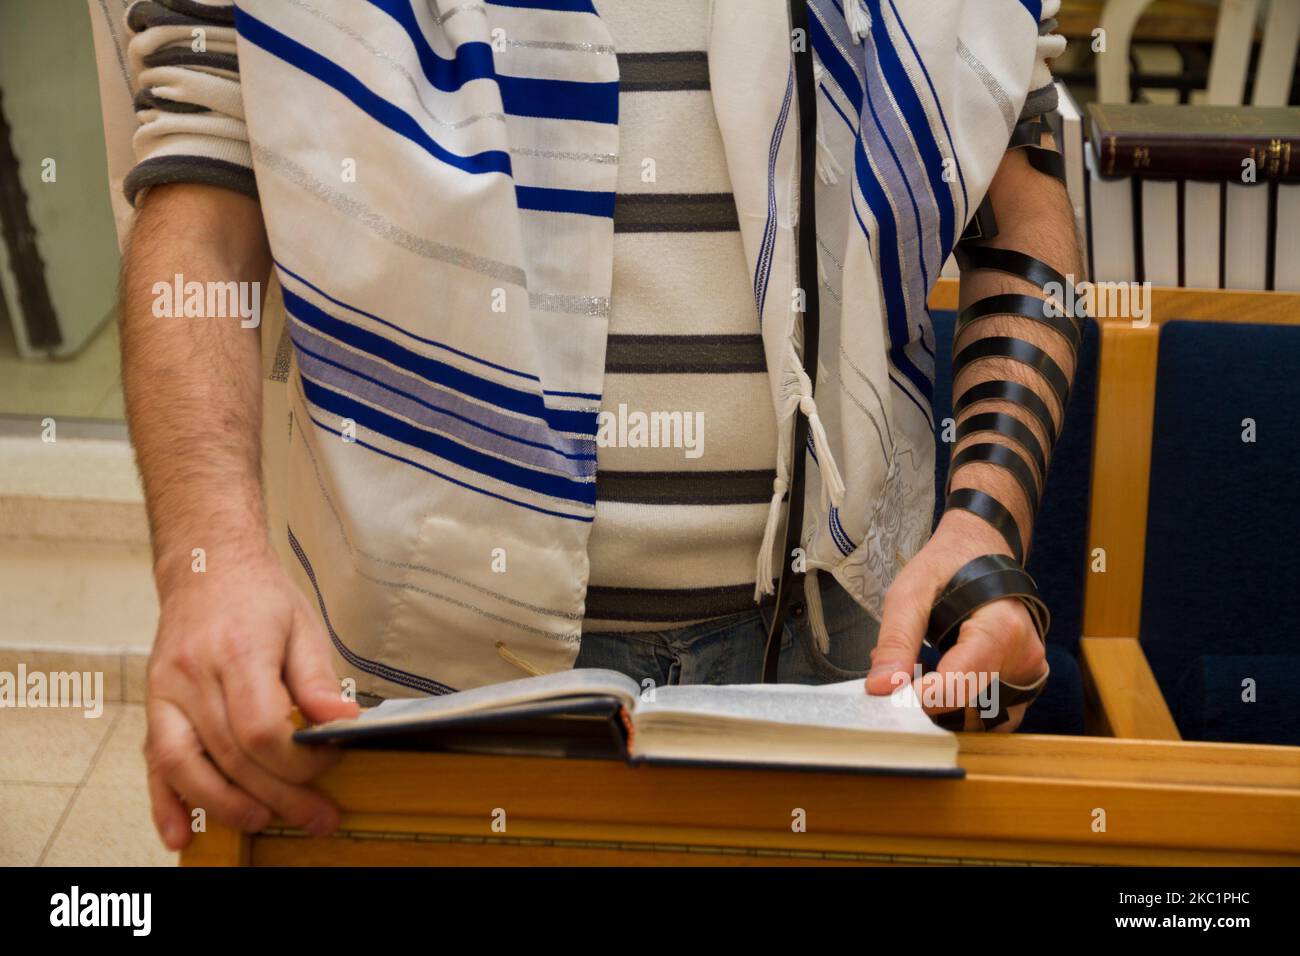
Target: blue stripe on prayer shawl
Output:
[(582, 202), (472, 61), (429, 369), (390, 674), (891, 268), (1035, 8), (938, 106), (520, 96), (340, 376), (763, 271), (896, 178), (918, 122), (559, 6), (438, 474), (553, 486), (539, 199), (891, 271), (427, 341), (379, 109)]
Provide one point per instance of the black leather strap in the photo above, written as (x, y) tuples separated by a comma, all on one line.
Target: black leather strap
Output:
[(982, 581), (985, 506), (1001, 390), (1024, 306), (1012, 428), (1020, 351), (790, 582), (1028, 136), (1009, 261), (1002, 457)]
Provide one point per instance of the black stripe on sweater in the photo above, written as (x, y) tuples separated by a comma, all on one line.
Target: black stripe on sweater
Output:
[(685, 487), (677, 604), (149, 13), (145, 100), (667, 604), (675, 212), (175, 56), (663, 72), (189, 169), (685, 354)]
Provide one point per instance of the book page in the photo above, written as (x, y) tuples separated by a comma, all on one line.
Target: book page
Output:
[(409, 712), (842, 706)]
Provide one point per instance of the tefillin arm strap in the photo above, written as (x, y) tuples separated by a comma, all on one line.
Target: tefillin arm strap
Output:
[(1020, 452)]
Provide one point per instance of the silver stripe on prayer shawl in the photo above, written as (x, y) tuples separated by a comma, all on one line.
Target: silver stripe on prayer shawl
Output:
[(387, 229), (594, 305), (425, 569), (609, 158), (441, 18), (994, 88), (599, 48)]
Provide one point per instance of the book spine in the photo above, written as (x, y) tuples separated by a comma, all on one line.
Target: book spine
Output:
[(1167, 157)]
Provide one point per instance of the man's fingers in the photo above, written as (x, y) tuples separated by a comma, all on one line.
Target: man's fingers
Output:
[(296, 805), (310, 675), (170, 818), (258, 710), (175, 757), (902, 629)]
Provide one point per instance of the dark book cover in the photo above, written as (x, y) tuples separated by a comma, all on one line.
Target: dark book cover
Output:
[(1151, 140)]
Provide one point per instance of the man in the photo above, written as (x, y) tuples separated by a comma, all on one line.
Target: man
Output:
[(512, 240)]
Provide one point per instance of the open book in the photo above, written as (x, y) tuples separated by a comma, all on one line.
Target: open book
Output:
[(591, 712)]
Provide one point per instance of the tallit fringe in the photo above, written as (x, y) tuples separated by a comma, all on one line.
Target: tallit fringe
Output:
[(828, 168), (512, 658), (763, 585), (858, 19), (812, 594), (832, 481)]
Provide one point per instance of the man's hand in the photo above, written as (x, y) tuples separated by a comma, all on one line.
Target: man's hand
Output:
[(236, 649), (997, 642), (238, 645)]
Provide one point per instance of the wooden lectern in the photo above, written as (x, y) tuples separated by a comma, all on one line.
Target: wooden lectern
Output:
[(1025, 799)]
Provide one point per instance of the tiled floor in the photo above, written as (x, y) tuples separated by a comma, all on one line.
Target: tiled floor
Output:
[(72, 790)]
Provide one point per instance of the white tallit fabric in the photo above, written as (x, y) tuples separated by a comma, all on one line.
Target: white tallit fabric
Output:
[(437, 181)]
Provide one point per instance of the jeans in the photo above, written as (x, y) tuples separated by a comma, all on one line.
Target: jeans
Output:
[(729, 650)]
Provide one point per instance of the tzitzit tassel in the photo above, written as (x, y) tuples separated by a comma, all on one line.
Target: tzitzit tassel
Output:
[(828, 169), (812, 594), (858, 19), (763, 585), (830, 472)]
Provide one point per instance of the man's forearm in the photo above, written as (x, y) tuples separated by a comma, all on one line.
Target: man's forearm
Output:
[(1034, 217), (193, 384)]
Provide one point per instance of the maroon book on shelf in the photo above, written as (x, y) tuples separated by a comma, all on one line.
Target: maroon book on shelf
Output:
[(1162, 141)]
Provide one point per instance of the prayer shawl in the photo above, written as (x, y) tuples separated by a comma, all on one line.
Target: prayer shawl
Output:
[(437, 181)]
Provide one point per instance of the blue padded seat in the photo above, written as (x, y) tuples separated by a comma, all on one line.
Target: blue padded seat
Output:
[(1058, 559), (1222, 557)]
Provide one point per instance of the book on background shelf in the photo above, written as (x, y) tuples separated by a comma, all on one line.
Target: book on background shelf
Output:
[(1160, 231), (1202, 216), (1110, 218), (1286, 260), (1196, 142), (1197, 196), (590, 712)]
